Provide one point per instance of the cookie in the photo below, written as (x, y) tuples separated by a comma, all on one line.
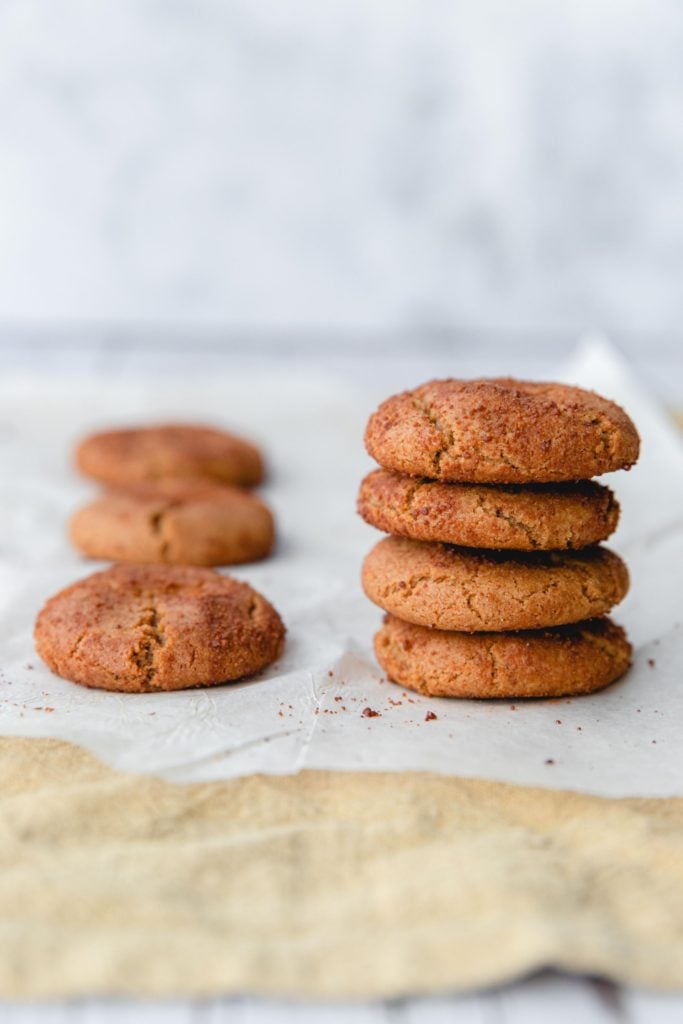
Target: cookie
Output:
[(139, 629), (176, 523), (475, 591), (561, 662), (501, 431), (143, 454), (539, 517)]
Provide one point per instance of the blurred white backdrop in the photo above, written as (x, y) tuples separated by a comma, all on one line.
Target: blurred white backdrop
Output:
[(347, 165)]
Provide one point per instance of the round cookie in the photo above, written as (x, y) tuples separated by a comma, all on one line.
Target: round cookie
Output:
[(185, 451), (562, 662), (139, 629), (541, 517), (501, 431), (446, 587), (174, 523)]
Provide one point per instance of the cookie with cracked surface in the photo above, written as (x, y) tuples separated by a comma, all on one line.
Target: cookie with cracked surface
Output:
[(448, 587), (138, 629), (176, 450), (535, 517), (562, 662), (174, 523), (501, 431)]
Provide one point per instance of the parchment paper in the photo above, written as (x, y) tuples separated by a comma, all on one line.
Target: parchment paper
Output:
[(306, 710)]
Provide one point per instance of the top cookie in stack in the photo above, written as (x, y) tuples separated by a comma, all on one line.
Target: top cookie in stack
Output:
[(498, 466), (501, 431)]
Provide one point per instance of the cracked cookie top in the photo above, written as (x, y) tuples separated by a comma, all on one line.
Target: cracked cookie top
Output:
[(140, 629), (177, 450), (561, 662), (174, 523), (501, 431), (535, 517), (448, 587)]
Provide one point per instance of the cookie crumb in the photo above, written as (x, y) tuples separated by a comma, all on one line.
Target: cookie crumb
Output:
[(558, 721), (651, 662), (430, 717), (549, 760), (370, 713)]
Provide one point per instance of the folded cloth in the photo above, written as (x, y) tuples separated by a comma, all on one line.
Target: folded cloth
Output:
[(322, 884)]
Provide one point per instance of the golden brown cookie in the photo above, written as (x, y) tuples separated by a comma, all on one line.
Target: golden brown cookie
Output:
[(143, 628), (561, 662), (501, 431), (541, 517), (176, 523), (475, 591), (143, 454)]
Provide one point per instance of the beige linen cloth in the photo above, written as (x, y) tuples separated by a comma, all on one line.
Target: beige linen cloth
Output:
[(323, 884)]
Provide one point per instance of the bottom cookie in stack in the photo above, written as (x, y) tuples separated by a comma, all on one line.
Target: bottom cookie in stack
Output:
[(560, 662)]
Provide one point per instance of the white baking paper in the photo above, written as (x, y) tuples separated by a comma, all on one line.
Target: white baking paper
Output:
[(306, 711)]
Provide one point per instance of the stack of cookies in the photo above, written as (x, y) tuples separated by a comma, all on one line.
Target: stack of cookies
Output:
[(493, 578), (175, 494)]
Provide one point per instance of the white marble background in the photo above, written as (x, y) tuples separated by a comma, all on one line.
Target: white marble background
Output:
[(346, 163)]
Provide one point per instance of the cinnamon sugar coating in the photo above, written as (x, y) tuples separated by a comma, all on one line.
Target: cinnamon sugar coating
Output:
[(448, 587), (185, 451), (144, 628), (174, 523), (566, 661), (501, 431), (538, 517)]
